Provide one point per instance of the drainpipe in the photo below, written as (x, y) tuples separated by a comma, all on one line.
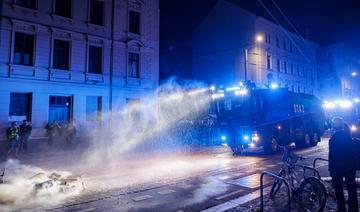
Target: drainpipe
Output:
[(111, 61)]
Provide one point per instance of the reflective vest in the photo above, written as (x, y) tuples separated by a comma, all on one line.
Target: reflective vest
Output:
[(13, 133)]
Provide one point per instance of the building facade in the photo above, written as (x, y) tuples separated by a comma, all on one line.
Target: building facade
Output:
[(339, 69), (75, 60), (232, 45)]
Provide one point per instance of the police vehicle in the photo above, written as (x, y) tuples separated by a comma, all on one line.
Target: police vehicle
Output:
[(260, 119)]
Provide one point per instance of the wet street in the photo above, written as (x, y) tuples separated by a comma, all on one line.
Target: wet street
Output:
[(210, 179)]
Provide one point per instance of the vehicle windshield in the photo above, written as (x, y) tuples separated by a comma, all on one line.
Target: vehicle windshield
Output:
[(234, 108)]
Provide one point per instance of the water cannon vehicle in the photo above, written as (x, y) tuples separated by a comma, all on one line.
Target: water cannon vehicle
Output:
[(262, 118)]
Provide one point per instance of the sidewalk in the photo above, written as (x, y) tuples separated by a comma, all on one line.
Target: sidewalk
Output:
[(38, 148), (279, 203)]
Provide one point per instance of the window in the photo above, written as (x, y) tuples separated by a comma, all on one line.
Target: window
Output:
[(268, 62), (60, 108), (26, 3), (61, 54), (285, 67), (93, 108), (95, 59), (135, 114), (267, 38), (134, 22), (302, 72), (132, 101), (277, 42), (278, 64), (20, 106), (284, 44), (97, 12), (298, 69), (134, 65), (292, 68), (24, 49), (63, 8)]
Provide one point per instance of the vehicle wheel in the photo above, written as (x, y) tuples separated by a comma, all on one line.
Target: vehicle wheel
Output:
[(271, 146), (277, 184), (312, 195), (304, 142), (315, 139)]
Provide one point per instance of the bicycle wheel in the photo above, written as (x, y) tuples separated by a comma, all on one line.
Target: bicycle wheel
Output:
[(277, 184), (312, 195)]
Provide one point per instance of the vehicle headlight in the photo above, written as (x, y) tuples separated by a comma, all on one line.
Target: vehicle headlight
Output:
[(255, 138)]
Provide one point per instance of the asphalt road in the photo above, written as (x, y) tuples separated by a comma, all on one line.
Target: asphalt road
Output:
[(210, 179)]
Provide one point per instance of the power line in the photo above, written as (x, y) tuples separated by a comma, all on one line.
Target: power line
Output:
[(288, 20), (284, 31)]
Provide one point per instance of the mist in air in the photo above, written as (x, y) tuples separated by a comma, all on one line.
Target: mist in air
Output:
[(138, 131)]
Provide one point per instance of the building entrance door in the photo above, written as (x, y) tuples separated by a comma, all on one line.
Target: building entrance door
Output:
[(60, 109)]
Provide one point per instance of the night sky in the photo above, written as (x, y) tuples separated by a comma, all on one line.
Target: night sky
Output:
[(323, 21)]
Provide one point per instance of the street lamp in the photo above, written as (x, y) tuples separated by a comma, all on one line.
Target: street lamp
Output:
[(258, 39), (354, 74)]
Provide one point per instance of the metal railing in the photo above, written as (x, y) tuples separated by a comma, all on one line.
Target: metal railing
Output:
[(313, 170), (278, 178), (318, 159), (2, 176)]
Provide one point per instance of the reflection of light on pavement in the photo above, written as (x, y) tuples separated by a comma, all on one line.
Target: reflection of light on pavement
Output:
[(149, 170), (163, 168), (252, 181)]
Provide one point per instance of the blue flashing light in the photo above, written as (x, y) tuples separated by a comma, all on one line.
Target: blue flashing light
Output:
[(274, 86), (242, 92), (233, 88), (246, 138)]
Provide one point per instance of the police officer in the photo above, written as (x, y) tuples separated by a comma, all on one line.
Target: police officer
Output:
[(341, 165), (25, 132), (13, 137)]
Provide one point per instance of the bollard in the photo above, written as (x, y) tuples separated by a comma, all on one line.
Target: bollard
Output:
[(276, 177)]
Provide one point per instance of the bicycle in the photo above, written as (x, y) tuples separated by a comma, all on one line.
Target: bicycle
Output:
[(309, 192)]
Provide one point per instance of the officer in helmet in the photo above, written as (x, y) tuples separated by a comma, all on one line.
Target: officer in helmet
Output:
[(341, 157)]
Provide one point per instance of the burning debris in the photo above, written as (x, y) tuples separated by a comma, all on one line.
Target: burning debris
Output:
[(25, 186), (56, 183)]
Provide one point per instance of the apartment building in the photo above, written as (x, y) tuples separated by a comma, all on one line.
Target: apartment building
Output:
[(232, 45), (338, 67), (75, 60)]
